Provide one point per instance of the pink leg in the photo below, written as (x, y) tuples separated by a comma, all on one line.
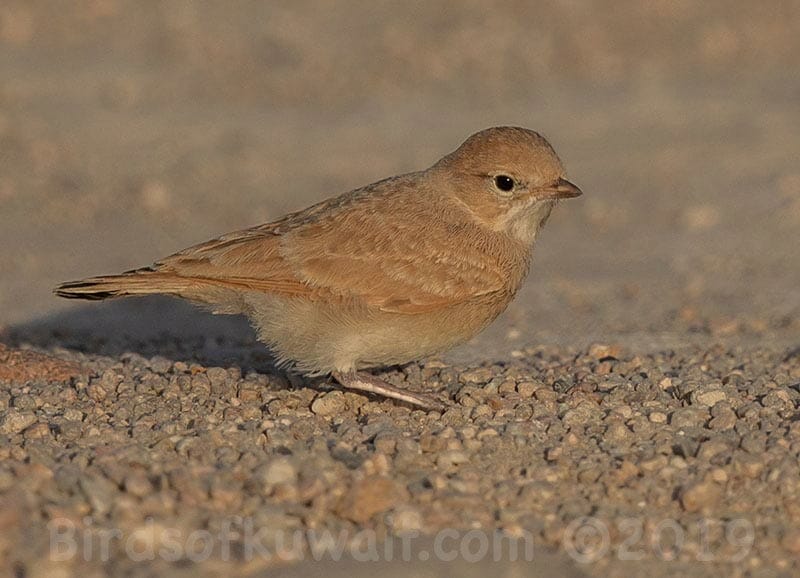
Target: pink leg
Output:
[(361, 381)]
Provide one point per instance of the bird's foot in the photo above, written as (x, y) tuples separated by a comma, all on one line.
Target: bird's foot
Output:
[(361, 381)]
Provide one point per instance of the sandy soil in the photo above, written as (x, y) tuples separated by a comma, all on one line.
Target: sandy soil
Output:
[(647, 376)]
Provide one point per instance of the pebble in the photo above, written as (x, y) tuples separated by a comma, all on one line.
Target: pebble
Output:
[(37, 431), (526, 388), (137, 484), (479, 375), (14, 421), (96, 392), (385, 443), (451, 458), (72, 414), (724, 418), (329, 404), (754, 443), (99, 492), (791, 540), (749, 466), (702, 496), (711, 448), (707, 397), (777, 399), (406, 519), (617, 431), (601, 350), (278, 471), (370, 496), (688, 417)]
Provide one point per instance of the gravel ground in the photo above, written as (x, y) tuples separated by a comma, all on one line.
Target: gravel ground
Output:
[(629, 463), (634, 412)]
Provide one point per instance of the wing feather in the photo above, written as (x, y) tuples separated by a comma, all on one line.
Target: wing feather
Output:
[(352, 246)]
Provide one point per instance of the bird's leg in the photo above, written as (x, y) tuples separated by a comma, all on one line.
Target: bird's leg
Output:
[(361, 381)]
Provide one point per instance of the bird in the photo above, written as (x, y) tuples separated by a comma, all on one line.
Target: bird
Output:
[(383, 275)]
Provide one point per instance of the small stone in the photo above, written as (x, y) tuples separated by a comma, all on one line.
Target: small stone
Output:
[(180, 367), (217, 376), (584, 413), (602, 350), (627, 470), (678, 462), (73, 414), (23, 402), (604, 368), (657, 417), (653, 464), (477, 376), (100, 492), (329, 404), (37, 431), (724, 419), (406, 519), (735, 378), (589, 475), (754, 443), (700, 496), (507, 386), (777, 399), (526, 388), (96, 392), (159, 364), (749, 466), (283, 492), (719, 475), (545, 394), (109, 380), (136, 483), (711, 448), (278, 471), (6, 479), (451, 458), (371, 496), (707, 397), (200, 385), (617, 432), (687, 417), (608, 385), (623, 411), (791, 541), (553, 454), (482, 410), (385, 443), (15, 421)]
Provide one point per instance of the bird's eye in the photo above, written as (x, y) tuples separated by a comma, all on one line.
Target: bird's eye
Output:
[(504, 183)]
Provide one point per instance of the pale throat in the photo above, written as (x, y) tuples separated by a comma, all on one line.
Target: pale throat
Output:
[(523, 220)]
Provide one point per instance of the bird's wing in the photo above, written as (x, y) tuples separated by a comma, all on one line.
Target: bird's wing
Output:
[(349, 247)]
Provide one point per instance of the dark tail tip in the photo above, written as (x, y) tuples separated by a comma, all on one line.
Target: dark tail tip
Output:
[(83, 290)]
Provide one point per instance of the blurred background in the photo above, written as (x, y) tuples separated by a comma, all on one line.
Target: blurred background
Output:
[(131, 129)]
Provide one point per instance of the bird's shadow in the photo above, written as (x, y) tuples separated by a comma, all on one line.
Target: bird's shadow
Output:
[(148, 326)]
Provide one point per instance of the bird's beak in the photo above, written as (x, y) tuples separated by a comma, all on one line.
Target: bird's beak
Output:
[(563, 190)]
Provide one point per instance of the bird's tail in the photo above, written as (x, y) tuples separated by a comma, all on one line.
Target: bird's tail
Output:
[(137, 282)]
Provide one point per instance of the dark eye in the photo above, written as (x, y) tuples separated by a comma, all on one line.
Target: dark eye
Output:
[(504, 183)]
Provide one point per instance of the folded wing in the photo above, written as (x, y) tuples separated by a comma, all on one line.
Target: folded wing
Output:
[(350, 246)]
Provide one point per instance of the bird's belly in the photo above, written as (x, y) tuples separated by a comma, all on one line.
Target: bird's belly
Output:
[(318, 337)]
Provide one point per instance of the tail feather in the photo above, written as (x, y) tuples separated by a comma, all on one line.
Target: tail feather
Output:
[(138, 282)]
